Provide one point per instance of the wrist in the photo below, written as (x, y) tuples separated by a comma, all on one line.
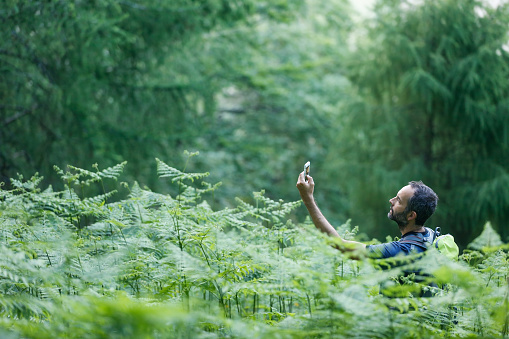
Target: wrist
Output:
[(308, 200)]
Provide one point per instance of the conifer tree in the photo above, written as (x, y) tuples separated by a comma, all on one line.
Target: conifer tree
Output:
[(432, 104), (106, 81)]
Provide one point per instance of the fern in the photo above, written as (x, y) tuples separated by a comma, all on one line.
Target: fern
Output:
[(488, 238), (243, 271), (165, 171), (86, 177), (111, 172)]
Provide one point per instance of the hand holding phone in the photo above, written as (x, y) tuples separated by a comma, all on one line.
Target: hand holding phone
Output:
[(306, 171)]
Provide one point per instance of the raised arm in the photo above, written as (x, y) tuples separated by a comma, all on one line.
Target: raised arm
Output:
[(306, 190)]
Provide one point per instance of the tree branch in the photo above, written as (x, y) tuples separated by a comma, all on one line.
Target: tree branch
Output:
[(16, 116)]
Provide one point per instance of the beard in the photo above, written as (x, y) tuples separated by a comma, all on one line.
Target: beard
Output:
[(399, 218)]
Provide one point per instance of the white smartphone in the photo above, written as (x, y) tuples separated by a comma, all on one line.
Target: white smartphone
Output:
[(306, 170)]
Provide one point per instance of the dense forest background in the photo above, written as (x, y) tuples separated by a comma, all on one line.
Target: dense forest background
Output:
[(416, 91)]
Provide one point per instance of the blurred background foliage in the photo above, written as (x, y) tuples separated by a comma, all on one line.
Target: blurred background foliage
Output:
[(417, 91)]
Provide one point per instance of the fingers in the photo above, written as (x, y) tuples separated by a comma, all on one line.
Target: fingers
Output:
[(302, 179), (310, 180)]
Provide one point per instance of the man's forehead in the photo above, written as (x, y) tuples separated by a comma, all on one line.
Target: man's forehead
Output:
[(406, 192)]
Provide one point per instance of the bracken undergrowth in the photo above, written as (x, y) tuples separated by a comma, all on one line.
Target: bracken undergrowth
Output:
[(152, 265)]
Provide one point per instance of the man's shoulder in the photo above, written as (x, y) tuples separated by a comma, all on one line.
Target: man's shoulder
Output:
[(411, 242), (425, 237), (390, 249)]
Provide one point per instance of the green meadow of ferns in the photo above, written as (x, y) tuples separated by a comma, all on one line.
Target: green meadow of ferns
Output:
[(152, 265)]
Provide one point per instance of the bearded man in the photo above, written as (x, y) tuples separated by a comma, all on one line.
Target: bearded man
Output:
[(410, 209)]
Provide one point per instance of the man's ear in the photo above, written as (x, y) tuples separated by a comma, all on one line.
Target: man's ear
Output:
[(411, 215)]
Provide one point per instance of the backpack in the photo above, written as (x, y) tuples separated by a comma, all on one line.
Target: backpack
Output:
[(444, 243)]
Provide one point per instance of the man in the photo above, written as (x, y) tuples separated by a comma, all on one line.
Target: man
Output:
[(410, 209)]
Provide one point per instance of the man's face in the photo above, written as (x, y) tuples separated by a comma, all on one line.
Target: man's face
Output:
[(399, 204)]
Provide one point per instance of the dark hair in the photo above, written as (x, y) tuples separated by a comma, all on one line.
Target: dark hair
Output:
[(423, 202)]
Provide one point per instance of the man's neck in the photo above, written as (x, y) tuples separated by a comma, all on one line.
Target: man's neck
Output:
[(412, 228)]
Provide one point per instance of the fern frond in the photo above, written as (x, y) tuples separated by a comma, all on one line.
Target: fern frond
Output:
[(86, 177), (136, 191), (80, 173), (30, 185), (98, 200), (113, 172), (67, 176), (165, 171)]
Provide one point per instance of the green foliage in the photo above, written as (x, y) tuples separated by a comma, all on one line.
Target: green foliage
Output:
[(488, 238), (253, 85), (144, 264), (280, 109), (430, 104), (106, 80), (260, 87)]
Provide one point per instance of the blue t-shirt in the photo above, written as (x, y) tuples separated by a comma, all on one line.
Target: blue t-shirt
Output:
[(395, 248)]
